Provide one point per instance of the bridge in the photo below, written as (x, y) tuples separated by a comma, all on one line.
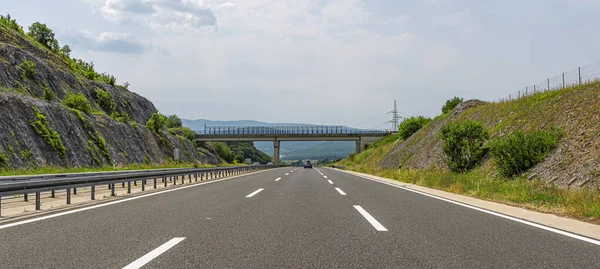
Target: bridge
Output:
[(290, 133)]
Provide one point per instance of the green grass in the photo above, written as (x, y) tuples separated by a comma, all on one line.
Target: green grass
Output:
[(532, 194)]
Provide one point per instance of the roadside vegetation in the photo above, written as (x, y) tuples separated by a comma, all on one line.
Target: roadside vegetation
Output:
[(491, 159), (63, 170)]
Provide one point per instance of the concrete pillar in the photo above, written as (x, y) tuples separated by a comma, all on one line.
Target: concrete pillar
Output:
[(276, 144), (358, 148)]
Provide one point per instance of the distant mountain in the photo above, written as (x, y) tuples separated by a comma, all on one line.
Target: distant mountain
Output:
[(292, 150)]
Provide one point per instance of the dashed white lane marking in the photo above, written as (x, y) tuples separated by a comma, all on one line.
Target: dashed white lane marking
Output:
[(8, 225), (154, 253), (325, 176), (254, 193), (330, 182), (287, 174), (340, 191), (277, 179), (370, 219)]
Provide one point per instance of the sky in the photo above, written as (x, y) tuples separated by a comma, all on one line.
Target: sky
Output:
[(339, 62)]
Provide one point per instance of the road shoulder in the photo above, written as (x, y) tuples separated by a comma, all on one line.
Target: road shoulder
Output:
[(557, 222)]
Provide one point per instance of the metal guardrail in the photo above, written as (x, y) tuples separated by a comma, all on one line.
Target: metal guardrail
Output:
[(286, 130), (24, 185)]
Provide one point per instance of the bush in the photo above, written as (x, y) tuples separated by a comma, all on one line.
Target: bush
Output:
[(411, 125), (48, 94), (174, 122), (41, 127), (223, 151), (105, 101), (43, 35), (520, 151), (451, 104), (121, 117), (11, 23), (107, 78), (239, 158), (156, 122), (27, 68), (463, 144), (79, 102), (183, 131)]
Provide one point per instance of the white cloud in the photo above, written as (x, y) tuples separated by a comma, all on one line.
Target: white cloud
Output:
[(162, 15), (106, 42)]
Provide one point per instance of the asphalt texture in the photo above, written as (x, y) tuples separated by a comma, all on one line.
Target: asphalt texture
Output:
[(300, 221)]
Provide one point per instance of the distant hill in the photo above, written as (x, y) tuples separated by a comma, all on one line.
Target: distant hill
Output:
[(289, 150)]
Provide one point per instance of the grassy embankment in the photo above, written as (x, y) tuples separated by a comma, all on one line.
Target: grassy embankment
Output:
[(501, 118)]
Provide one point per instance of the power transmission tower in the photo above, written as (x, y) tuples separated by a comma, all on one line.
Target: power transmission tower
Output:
[(395, 117)]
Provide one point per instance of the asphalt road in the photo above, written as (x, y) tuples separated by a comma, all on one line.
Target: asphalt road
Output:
[(298, 221)]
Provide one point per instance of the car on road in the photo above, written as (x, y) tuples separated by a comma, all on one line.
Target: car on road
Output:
[(308, 164)]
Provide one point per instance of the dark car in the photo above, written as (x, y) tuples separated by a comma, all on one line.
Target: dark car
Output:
[(308, 164)]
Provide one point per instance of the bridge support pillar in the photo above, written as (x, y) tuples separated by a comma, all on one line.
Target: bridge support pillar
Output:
[(276, 144), (358, 148)]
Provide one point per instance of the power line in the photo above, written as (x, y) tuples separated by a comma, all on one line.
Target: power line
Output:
[(371, 119)]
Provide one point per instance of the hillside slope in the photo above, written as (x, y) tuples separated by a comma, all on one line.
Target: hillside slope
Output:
[(576, 110), (37, 130)]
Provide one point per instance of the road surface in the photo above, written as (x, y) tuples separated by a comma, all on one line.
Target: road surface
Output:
[(308, 218)]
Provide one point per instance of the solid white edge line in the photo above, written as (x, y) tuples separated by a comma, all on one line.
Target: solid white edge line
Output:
[(526, 222), (340, 191), (277, 179), (8, 225), (154, 253), (370, 219), (330, 182), (254, 193)]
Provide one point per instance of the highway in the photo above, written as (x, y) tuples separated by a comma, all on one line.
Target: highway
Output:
[(308, 218)]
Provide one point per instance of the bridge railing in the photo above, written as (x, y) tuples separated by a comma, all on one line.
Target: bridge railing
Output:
[(286, 130)]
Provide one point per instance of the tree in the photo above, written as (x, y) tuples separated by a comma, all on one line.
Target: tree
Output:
[(156, 122), (66, 51), (411, 125), (239, 158), (44, 35), (451, 104), (173, 121)]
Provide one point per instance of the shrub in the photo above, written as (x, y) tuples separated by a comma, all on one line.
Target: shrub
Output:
[(224, 152), (41, 127), (451, 104), (352, 156), (173, 122), (411, 125), (156, 122), (463, 144), (43, 35), (520, 151), (121, 117), (48, 94), (66, 51), (27, 68), (107, 78), (11, 23), (183, 131), (79, 102), (239, 158), (105, 101)]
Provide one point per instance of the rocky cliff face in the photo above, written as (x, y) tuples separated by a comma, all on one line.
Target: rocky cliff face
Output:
[(37, 132)]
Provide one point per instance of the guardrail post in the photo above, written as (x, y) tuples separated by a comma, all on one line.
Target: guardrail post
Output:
[(201, 176), (155, 183), (196, 177), (190, 178), (93, 194), (165, 180), (128, 186), (123, 184), (52, 193), (112, 189), (143, 184), (174, 181), (68, 196), (182, 179), (38, 201), (26, 197), (74, 191)]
